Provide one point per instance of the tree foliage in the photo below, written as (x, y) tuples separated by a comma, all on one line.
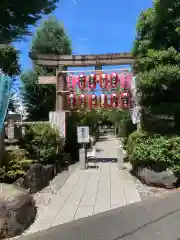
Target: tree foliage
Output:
[(16, 16), (52, 38), (40, 99), (156, 51), (9, 61)]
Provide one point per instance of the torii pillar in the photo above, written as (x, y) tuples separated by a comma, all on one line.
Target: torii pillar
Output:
[(61, 90)]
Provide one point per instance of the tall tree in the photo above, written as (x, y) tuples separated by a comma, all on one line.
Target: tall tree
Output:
[(9, 61), (40, 99), (17, 16), (52, 38), (157, 59)]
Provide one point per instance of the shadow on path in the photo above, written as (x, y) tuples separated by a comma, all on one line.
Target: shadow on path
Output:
[(104, 160)]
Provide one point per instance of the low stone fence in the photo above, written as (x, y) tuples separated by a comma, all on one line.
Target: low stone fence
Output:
[(15, 129), (38, 175)]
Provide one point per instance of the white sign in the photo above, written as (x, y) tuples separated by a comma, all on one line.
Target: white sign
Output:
[(83, 134)]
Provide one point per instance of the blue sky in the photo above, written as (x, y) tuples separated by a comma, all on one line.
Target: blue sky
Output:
[(94, 26)]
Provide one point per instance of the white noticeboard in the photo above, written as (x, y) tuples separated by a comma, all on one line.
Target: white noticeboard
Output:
[(83, 134)]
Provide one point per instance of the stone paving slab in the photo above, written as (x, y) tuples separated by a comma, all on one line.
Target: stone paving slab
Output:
[(84, 211), (91, 191)]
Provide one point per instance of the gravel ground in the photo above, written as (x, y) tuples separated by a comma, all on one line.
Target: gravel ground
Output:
[(145, 191)]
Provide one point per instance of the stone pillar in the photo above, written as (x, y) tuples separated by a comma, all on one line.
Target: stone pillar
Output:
[(120, 157), (61, 91), (82, 158)]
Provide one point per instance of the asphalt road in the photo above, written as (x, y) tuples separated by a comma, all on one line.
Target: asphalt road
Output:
[(157, 219)]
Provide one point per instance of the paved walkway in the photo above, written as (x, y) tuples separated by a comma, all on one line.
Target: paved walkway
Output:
[(90, 191)]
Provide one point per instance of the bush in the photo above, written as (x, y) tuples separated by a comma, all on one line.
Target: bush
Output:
[(133, 138), (42, 142), (126, 128), (15, 164), (154, 151)]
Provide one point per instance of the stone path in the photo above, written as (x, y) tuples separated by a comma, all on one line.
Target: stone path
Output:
[(91, 191)]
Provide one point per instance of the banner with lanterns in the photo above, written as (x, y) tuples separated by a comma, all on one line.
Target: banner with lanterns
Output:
[(115, 91)]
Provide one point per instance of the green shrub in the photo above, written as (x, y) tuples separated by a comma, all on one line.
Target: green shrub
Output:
[(126, 127), (15, 164), (133, 138), (42, 142), (155, 151)]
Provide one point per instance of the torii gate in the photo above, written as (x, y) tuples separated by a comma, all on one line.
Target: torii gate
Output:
[(62, 62)]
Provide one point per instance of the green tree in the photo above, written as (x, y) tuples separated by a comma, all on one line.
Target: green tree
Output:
[(40, 99), (52, 38), (17, 16), (157, 58), (9, 61), (91, 118)]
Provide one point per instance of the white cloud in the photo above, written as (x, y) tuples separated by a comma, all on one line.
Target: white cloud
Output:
[(83, 39)]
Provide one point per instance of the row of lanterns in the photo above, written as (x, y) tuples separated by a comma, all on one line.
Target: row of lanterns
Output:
[(106, 81), (123, 101)]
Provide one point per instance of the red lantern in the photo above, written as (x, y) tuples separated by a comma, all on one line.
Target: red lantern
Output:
[(82, 81), (92, 81), (71, 82), (125, 80), (114, 80), (72, 100), (125, 99), (114, 100), (82, 101), (93, 101), (104, 81), (103, 100)]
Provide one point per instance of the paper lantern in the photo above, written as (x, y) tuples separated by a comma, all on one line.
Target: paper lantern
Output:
[(82, 81), (92, 81), (125, 80), (104, 81), (82, 101), (114, 100), (93, 101), (125, 100), (103, 100), (72, 100), (114, 80)]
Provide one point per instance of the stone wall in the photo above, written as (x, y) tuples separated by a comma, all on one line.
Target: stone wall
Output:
[(38, 176)]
